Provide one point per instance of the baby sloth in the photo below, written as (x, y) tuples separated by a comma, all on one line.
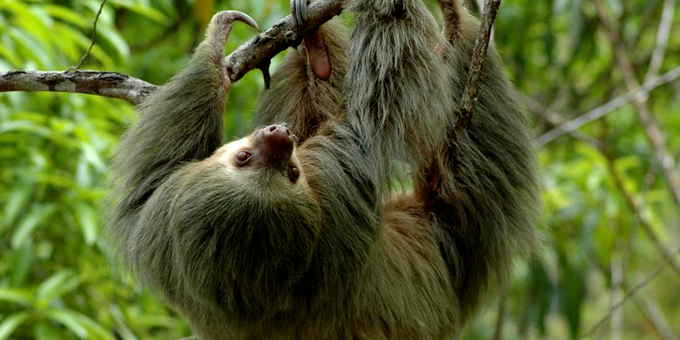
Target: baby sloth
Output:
[(275, 236)]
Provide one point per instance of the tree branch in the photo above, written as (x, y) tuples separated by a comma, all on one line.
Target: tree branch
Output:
[(93, 39), (478, 58), (248, 56), (630, 294), (556, 119), (629, 199), (652, 130), (661, 39), (610, 106), (106, 84), (282, 34)]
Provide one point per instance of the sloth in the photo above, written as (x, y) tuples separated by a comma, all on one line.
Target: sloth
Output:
[(363, 216)]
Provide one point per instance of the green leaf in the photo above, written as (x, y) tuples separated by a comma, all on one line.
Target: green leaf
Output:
[(11, 323), (93, 157), (70, 320), (143, 10), (21, 264), (56, 285), (114, 38), (15, 295), (15, 202), (68, 15), (31, 47), (87, 219), (44, 331), (81, 325), (25, 126), (9, 55), (31, 220)]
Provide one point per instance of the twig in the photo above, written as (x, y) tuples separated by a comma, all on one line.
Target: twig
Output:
[(637, 211), (557, 119), (106, 84), (630, 293), (608, 107), (652, 131), (92, 39), (281, 35), (630, 201), (478, 58), (661, 39), (654, 316), (263, 47), (617, 295)]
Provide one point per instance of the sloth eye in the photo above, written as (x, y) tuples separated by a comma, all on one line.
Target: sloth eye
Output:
[(293, 173), (242, 157)]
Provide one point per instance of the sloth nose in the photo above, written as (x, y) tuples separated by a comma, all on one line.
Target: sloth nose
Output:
[(277, 134), (277, 144)]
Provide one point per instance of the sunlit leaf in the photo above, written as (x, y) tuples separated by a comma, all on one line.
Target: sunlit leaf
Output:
[(25, 126), (56, 285), (81, 325), (142, 10), (16, 200), (87, 218), (68, 15), (11, 323), (84, 43), (31, 46), (69, 319), (93, 157), (36, 215), (118, 43), (14, 295)]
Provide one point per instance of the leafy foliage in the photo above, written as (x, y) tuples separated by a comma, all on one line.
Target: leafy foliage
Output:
[(57, 280)]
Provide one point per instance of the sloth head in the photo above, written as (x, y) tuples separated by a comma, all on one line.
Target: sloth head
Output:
[(248, 206)]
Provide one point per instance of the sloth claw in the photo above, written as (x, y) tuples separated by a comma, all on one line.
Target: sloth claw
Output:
[(298, 9), (228, 17)]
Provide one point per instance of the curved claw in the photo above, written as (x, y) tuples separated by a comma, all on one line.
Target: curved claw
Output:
[(298, 9), (219, 30), (230, 16)]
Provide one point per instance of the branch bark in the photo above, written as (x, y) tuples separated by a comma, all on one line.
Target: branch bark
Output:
[(107, 84), (478, 58), (245, 58)]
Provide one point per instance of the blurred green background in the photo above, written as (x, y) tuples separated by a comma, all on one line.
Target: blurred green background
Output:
[(609, 211)]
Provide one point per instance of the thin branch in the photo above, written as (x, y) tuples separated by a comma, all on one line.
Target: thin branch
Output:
[(557, 119), (654, 316), (652, 130), (646, 303), (631, 293), (661, 39), (92, 39), (608, 107), (617, 295), (248, 56), (478, 58), (631, 202), (106, 84), (282, 34), (637, 211)]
